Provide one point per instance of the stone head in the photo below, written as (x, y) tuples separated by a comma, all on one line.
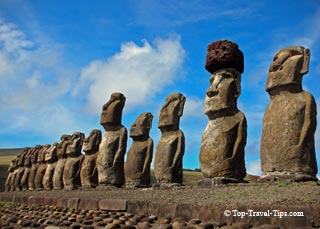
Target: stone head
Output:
[(112, 111), (51, 153), (288, 67), (27, 160), (62, 147), (75, 144), (223, 92), (171, 111), (42, 153), (35, 152), (142, 125), (12, 165), (23, 156), (224, 54), (92, 142)]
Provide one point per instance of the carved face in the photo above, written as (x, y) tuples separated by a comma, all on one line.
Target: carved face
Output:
[(142, 125), (172, 110), (112, 110), (92, 142), (223, 91), (75, 144), (34, 157), (288, 66), (51, 152), (42, 153), (62, 147)]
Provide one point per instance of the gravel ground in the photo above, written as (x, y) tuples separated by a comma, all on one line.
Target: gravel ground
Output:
[(306, 193), (50, 217)]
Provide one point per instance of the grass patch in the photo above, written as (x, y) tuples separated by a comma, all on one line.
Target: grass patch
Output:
[(6, 203), (6, 159)]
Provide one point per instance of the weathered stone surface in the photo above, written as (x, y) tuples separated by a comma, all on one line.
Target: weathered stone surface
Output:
[(62, 158), (287, 142), (170, 148), (110, 159), (8, 186), (71, 172), (34, 168), (51, 158), (113, 205), (42, 167), (20, 169), (137, 167), (27, 169), (224, 139), (89, 172), (224, 54)]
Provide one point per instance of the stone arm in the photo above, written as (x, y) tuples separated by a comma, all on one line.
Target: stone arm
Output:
[(149, 155), (80, 165), (310, 122), (180, 149), (121, 147), (241, 137)]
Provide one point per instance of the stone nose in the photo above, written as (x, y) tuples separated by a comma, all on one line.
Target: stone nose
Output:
[(211, 92)]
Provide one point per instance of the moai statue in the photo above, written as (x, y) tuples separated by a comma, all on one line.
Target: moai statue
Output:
[(224, 138), (51, 159), (89, 172), (20, 169), (27, 169), (137, 166), (170, 149), (42, 167), (62, 158), (34, 167), (110, 159), (71, 172), (287, 144), (10, 176)]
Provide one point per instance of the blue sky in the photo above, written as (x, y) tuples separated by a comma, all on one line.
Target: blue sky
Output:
[(61, 60)]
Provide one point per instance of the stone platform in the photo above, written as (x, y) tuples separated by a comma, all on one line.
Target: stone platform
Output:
[(224, 203)]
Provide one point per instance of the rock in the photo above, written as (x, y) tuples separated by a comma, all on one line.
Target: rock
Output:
[(170, 148), (224, 139), (71, 172), (42, 167), (194, 222), (62, 158), (113, 226), (51, 158), (287, 143), (224, 54), (110, 158), (12, 219), (137, 166), (89, 172)]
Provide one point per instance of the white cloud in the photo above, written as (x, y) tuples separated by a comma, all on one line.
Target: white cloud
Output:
[(194, 107), (33, 81), (254, 168), (139, 72)]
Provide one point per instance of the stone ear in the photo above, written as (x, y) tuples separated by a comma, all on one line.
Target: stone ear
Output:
[(306, 60), (149, 123), (238, 85), (182, 102)]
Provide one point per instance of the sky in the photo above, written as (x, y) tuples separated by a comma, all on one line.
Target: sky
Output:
[(61, 60)]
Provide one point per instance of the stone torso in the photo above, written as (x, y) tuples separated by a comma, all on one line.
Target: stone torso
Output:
[(88, 174), (218, 155), (110, 159), (137, 158), (169, 148), (282, 127), (58, 173), (71, 173), (48, 176)]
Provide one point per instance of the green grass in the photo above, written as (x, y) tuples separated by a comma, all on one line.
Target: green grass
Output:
[(6, 203), (6, 159)]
